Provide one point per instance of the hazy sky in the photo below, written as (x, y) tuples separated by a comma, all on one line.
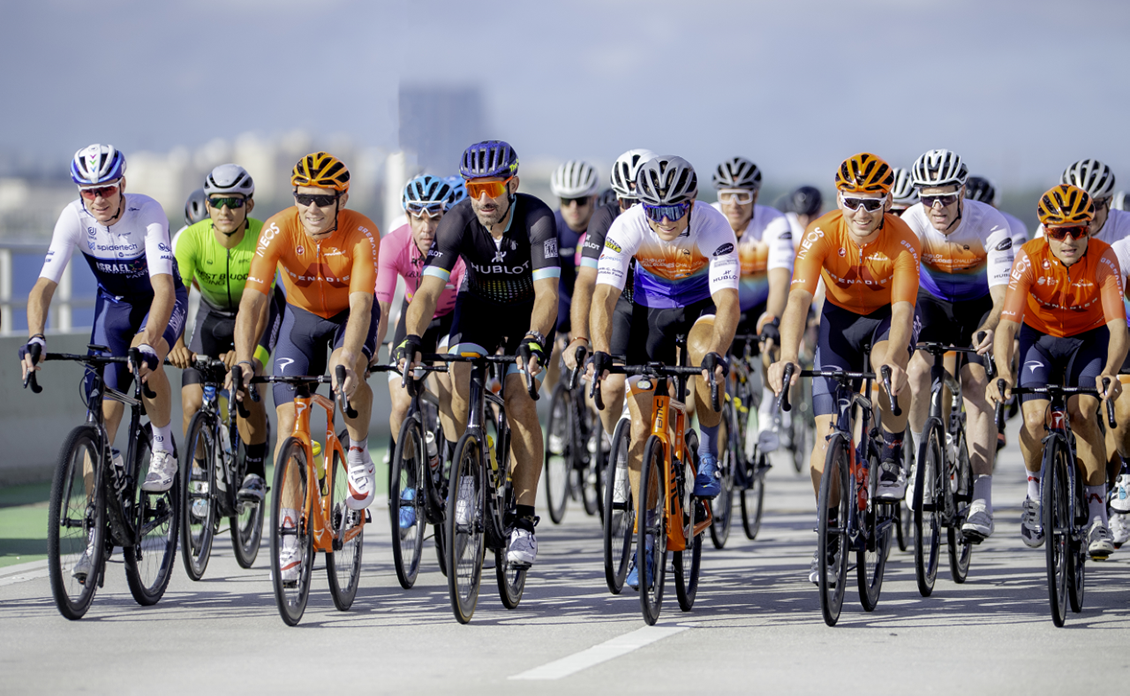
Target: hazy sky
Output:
[(1020, 89)]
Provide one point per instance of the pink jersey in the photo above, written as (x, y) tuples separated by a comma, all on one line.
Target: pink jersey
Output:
[(399, 256)]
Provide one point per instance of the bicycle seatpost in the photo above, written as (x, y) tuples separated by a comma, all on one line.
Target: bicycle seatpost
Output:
[(885, 372), (342, 402), (783, 399), (1000, 406), (527, 355)]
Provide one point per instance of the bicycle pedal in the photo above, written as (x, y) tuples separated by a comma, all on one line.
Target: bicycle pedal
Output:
[(519, 566), (368, 516), (973, 537)]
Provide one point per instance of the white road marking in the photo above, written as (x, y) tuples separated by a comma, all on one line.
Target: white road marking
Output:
[(608, 650)]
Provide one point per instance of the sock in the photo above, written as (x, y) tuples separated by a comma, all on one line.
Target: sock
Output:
[(1034, 485), (892, 447), (525, 518), (358, 446), (708, 440), (768, 398), (163, 437), (983, 490), (1096, 502), (254, 458)]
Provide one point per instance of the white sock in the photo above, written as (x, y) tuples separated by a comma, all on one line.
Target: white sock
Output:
[(163, 437), (983, 490), (1033, 485), (353, 454), (1096, 502)]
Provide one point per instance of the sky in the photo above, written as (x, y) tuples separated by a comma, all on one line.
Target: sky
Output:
[(1019, 88)]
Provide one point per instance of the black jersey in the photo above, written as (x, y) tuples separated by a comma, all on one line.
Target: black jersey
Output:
[(594, 242)]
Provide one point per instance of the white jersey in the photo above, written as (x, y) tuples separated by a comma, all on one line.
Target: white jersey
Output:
[(1019, 229), (1122, 251), (964, 264), (1116, 227), (767, 243), (123, 256), (699, 263)]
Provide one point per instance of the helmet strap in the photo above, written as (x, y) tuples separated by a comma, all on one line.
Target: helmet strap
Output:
[(957, 220)]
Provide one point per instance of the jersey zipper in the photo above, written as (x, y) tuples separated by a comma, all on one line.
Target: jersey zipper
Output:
[(320, 279), (228, 278)]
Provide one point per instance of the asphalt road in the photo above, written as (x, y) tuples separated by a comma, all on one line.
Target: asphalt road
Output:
[(756, 625)]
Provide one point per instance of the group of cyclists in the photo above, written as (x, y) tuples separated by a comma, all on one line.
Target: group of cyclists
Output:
[(906, 255)]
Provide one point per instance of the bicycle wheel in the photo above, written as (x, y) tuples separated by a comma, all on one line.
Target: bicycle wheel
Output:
[(800, 447), (406, 498), (247, 524), (871, 554), (511, 577), (688, 562), (438, 530), (465, 527), (928, 503), (290, 494), (558, 459), (1077, 579), (76, 524), (157, 516), (198, 476), (728, 458), (593, 434), (905, 520), (1058, 526), (620, 513), (343, 565), (958, 497), (832, 546), (652, 533), (752, 498)]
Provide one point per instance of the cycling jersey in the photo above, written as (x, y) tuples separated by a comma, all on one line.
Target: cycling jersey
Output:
[(1019, 230), (567, 243), (964, 264), (766, 243), (1122, 252), (221, 273), (1063, 300), (859, 279), (501, 271), (1116, 227), (593, 244), (700, 262), (401, 257), (318, 276)]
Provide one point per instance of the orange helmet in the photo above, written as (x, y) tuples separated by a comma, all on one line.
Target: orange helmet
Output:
[(1065, 205), (320, 169), (864, 173)]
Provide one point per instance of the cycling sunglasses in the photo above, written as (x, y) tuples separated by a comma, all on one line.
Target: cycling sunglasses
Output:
[(230, 201), (322, 200), (93, 192), (736, 196), (432, 209), (869, 204), (581, 202), (946, 199), (493, 188), (671, 212), (1061, 233)]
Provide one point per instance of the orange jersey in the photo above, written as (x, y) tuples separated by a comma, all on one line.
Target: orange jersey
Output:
[(860, 279), (1063, 300), (317, 276)]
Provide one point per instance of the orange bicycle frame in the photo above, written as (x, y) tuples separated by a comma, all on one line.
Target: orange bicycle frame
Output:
[(662, 428)]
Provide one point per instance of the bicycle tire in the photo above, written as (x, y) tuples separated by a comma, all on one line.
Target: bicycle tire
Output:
[(438, 532), (728, 459), (619, 516), (905, 521), (957, 506), (833, 537), (558, 455), (653, 523), (1058, 525), (157, 516), (927, 504), (753, 498), (871, 554), (589, 475), (291, 598), (197, 483), (343, 564), (408, 474), (688, 562), (803, 426), (1076, 580), (246, 526), (76, 522), (465, 541)]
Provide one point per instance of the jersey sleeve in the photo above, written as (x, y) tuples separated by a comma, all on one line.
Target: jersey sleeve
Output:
[(1109, 279), (620, 246), (905, 279), (1019, 282), (184, 249), (779, 235), (366, 257), (999, 249), (601, 221), (445, 249), (386, 269), (725, 267), (266, 258), (809, 261), (63, 241), (158, 249), (545, 258)]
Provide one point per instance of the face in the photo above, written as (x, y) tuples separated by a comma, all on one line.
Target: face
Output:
[(423, 229), (806, 220), (737, 206), (227, 219), (862, 222), (626, 203), (104, 205), (318, 220), (669, 230), (1068, 250), (578, 211), (490, 211), (942, 214), (1102, 212)]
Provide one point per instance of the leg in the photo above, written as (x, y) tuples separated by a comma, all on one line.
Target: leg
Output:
[(918, 374), (824, 427), (612, 389), (527, 447), (398, 396), (191, 398)]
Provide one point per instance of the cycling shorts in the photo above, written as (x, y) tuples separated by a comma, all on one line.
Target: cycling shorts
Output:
[(434, 339), (653, 330), (305, 340), (1072, 360), (622, 326), (844, 342), (118, 320), (214, 334), (945, 321), (747, 324), (482, 327)]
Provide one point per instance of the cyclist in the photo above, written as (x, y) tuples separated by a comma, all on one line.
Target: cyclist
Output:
[(686, 282), (966, 257), (1064, 301), (141, 300), (981, 189), (765, 252), (1121, 201), (903, 193), (869, 263), (216, 253), (195, 208), (509, 299), (801, 206)]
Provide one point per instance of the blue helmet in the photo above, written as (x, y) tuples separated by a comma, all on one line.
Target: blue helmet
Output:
[(489, 158), (97, 164), (458, 190), (425, 191)]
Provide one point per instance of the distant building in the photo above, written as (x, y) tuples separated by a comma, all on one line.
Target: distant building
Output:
[(438, 123)]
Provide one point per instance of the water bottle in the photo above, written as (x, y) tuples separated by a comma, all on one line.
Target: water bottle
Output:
[(224, 456), (493, 458), (319, 466), (433, 451), (200, 505), (117, 469)]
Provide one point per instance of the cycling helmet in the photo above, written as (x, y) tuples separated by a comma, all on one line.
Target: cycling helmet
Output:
[(426, 190), (903, 193), (981, 189), (607, 197), (624, 171), (666, 180), (574, 179), (805, 200), (458, 190), (1092, 176), (322, 170), (939, 168), (194, 208), (1065, 205), (488, 159), (1121, 201), (737, 173), (864, 173), (229, 178), (97, 164)]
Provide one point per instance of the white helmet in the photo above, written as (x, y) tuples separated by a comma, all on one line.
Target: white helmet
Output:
[(574, 179), (1121, 201), (97, 164), (1092, 176), (625, 169), (666, 180), (939, 168), (229, 178), (903, 193)]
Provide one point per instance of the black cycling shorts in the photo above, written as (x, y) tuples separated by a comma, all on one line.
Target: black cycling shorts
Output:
[(214, 334), (305, 341), (482, 327), (653, 330), (943, 321), (1074, 361), (117, 320)]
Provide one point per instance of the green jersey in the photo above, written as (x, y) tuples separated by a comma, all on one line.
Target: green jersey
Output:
[(220, 273)]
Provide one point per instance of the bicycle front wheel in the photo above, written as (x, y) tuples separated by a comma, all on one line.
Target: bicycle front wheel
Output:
[(651, 539), (871, 554), (592, 432), (729, 458), (960, 494), (688, 562), (465, 527), (292, 543), (1077, 579), (753, 498), (1058, 526), (928, 502), (76, 524), (198, 477), (406, 498), (247, 524), (157, 516), (343, 565), (833, 519), (558, 453), (619, 511)]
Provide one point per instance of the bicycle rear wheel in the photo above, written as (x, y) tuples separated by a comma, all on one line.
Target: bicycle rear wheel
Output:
[(1058, 526), (558, 453), (871, 554), (832, 545), (343, 564), (651, 539), (247, 524), (905, 520), (1077, 579), (619, 510), (592, 432), (928, 503), (290, 494), (688, 562), (753, 497), (157, 516), (729, 457), (198, 478), (958, 497), (465, 527), (76, 524), (406, 501)]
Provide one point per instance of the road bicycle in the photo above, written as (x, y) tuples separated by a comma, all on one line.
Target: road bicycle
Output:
[(574, 455)]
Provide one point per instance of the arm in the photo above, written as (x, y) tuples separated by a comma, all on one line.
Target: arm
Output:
[(38, 302), (382, 327), (902, 328), (164, 297), (579, 313), (1002, 356), (423, 304), (251, 306), (793, 324), (727, 314), (997, 292), (604, 299), (543, 317)]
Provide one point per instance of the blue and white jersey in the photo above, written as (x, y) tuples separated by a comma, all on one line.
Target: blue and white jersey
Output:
[(1019, 229), (123, 256)]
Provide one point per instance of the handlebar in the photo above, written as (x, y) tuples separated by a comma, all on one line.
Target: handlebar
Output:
[(580, 354), (653, 369), (342, 402), (36, 352), (783, 400), (531, 384), (1053, 390), (885, 372), (135, 359), (531, 387)]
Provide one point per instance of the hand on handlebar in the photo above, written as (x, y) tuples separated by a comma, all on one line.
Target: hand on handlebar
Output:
[(533, 343), (181, 357), (776, 376), (350, 382), (1109, 386), (999, 390), (572, 350), (30, 354), (149, 362), (986, 343)]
